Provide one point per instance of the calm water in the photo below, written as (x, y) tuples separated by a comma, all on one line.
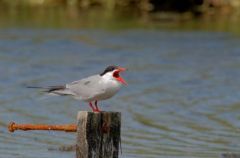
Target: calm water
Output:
[(183, 97)]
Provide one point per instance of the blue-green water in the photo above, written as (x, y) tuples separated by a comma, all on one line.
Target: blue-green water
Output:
[(182, 98)]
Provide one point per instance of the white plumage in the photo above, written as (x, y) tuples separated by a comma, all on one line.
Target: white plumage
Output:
[(92, 89)]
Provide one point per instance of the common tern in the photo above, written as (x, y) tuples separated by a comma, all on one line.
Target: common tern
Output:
[(93, 88)]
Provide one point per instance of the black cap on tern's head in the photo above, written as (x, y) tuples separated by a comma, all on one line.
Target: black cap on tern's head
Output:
[(114, 71), (109, 69)]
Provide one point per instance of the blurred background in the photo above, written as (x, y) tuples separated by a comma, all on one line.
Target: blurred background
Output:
[(183, 93), (217, 15)]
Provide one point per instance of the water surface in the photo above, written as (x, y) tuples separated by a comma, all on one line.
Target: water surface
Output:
[(182, 98)]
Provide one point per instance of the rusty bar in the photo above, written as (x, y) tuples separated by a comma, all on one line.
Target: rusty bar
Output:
[(12, 126)]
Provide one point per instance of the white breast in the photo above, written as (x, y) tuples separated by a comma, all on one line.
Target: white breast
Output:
[(110, 89)]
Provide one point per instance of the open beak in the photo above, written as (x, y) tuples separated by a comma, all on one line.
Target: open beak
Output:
[(121, 69), (120, 79)]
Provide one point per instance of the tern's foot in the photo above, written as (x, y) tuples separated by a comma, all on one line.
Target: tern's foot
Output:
[(96, 110)]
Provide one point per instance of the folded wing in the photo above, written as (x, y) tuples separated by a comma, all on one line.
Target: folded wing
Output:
[(87, 88)]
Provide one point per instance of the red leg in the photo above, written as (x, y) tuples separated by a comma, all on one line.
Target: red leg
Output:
[(90, 104), (96, 106)]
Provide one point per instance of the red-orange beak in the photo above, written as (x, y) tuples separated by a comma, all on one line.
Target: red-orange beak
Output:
[(118, 77), (121, 69)]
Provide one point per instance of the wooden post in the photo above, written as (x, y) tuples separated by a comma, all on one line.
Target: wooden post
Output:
[(98, 134)]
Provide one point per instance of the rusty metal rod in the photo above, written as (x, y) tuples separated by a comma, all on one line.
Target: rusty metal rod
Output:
[(12, 126)]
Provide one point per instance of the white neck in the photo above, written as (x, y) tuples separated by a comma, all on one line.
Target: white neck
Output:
[(109, 79)]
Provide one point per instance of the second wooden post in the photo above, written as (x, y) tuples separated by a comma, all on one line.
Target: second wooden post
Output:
[(98, 134)]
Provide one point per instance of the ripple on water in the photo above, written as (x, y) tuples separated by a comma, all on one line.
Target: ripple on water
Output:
[(182, 99)]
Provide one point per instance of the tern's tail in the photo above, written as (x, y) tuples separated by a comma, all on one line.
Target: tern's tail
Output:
[(59, 90)]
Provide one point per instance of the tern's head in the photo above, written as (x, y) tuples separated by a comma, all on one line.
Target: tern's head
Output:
[(114, 72)]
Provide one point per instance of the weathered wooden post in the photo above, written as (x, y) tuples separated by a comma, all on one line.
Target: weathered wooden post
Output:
[(98, 134)]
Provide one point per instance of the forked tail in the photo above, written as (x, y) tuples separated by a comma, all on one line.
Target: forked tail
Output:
[(60, 90)]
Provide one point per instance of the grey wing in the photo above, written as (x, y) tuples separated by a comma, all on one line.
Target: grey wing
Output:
[(86, 88)]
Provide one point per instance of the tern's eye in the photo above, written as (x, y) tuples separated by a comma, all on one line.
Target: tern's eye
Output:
[(116, 74)]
